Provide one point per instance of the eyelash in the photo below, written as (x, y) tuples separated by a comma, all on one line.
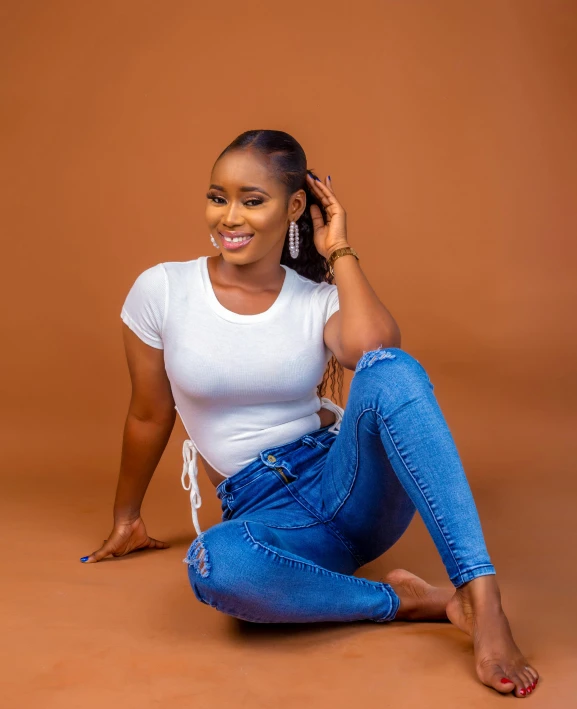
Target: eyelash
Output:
[(213, 197)]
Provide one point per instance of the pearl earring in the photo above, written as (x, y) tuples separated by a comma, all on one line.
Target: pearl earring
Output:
[(294, 239), (216, 246)]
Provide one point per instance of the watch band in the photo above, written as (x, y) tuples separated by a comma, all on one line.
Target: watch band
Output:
[(337, 253)]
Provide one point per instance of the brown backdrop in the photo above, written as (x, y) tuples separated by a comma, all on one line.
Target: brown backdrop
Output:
[(448, 128)]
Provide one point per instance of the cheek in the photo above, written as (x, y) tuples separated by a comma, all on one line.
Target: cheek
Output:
[(267, 221), (211, 215)]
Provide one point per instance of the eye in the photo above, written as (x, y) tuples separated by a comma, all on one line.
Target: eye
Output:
[(214, 197)]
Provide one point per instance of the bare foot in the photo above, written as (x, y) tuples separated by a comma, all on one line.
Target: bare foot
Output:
[(476, 609), (419, 600)]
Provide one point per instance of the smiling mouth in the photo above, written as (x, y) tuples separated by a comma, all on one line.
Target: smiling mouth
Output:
[(235, 242)]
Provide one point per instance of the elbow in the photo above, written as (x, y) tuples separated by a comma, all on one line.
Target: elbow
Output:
[(390, 339)]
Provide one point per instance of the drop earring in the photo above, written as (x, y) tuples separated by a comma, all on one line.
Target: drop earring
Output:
[(216, 246), (294, 239)]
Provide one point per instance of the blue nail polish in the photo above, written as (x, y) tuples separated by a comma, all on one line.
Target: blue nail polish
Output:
[(329, 177), (83, 559), (317, 178)]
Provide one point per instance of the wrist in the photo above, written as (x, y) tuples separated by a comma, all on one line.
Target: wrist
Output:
[(125, 517), (337, 253), (334, 247)]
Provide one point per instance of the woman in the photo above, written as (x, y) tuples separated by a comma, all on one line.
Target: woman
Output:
[(238, 344)]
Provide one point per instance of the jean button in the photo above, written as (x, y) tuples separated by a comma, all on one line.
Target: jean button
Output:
[(271, 459)]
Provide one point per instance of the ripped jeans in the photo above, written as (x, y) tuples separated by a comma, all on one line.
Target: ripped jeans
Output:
[(299, 521)]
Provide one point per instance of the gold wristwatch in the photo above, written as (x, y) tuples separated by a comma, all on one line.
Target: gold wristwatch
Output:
[(340, 252)]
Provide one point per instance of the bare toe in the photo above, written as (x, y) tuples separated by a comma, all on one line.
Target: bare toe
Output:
[(532, 672)]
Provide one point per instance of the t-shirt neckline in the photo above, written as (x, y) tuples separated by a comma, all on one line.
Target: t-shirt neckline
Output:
[(231, 316)]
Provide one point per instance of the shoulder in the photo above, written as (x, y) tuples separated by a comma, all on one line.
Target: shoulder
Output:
[(152, 274), (165, 273), (149, 284), (323, 296), (308, 286)]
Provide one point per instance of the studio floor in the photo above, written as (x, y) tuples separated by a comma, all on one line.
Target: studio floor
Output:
[(129, 633)]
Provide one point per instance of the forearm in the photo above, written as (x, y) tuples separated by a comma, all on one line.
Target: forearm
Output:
[(365, 323), (142, 447)]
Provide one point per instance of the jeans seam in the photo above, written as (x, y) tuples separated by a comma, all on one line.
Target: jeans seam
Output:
[(298, 526), (332, 527), (304, 504), (464, 576), (309, 566), (346, 497), (377, 412), (447, 544)]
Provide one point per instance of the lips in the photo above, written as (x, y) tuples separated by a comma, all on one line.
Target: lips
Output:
[(233, 234), (232, 245)]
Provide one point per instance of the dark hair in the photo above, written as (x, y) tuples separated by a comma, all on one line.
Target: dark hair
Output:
[(288, 163)]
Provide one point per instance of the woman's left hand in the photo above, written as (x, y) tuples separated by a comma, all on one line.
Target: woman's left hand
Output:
[(333, 234)]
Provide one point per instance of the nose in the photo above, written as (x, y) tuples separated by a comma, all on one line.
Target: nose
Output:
[(229, 220)]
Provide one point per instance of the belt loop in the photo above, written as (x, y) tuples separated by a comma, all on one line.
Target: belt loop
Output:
[(309, 440)]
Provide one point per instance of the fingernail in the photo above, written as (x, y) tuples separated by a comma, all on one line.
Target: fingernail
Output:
[(504, 680), (318, 179), (83, 559), (329, 177)]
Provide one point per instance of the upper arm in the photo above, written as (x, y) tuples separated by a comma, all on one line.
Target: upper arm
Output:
[(331, 316), (333, 342), (151, 391), (143, 314)]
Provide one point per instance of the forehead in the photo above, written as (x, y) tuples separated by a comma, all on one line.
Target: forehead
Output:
[(243, 168)]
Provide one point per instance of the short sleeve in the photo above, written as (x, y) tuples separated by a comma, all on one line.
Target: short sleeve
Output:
[(329, 299), (144, 309)]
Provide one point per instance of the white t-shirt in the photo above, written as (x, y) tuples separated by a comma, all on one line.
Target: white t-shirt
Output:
[(241, 383)]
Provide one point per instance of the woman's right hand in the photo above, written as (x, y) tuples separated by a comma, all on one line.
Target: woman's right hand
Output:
[(125, 537)]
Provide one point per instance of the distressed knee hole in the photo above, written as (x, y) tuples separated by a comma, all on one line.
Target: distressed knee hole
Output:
[(198, 557), (372, 356)]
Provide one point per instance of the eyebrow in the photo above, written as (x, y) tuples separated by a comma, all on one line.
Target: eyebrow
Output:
[(242, 189)]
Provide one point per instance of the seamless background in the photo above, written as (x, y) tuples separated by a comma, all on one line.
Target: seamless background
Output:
[(448, 130)]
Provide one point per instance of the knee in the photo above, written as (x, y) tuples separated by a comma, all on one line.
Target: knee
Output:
[(199, 563), (205, 570), (198, 557), (392, 368), (215, 560)]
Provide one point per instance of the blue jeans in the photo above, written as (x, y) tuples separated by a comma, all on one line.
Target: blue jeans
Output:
[(298, 521)]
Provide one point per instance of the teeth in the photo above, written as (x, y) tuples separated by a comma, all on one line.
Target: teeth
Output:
[(236, 239)]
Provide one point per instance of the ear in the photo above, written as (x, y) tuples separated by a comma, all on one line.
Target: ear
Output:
[(297, 205)]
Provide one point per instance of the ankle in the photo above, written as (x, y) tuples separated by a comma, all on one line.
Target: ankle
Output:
[(481, 592)]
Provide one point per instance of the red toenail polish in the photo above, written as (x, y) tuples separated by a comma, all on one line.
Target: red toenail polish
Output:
[(529, 690), (505, 680), (522, 691)]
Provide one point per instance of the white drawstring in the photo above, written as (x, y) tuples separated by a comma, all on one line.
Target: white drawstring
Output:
[(190, 466), (190, 469), (328, 404)]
